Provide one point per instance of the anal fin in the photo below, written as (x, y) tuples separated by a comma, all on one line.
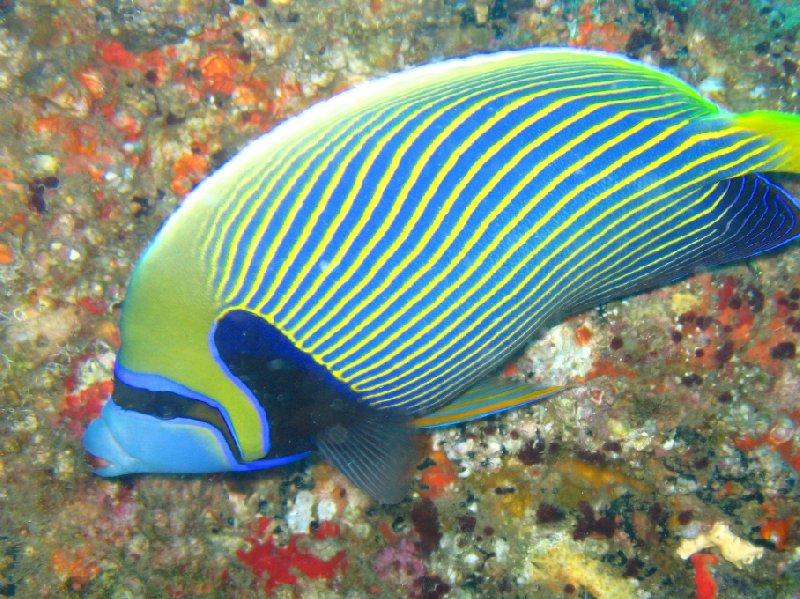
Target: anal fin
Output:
[(487, 397)]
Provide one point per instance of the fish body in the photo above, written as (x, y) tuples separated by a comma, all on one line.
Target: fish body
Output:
[(369, 261)]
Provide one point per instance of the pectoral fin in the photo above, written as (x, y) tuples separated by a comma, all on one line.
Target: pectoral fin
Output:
[(377, 452)]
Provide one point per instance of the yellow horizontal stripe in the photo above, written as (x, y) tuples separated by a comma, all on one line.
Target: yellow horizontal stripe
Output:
[(321, 157), (444, 271), (510, 321), (541, 261), (266, 169), (497, 262), (348, 325), (295, 137), (227, 211), (249, 202), (529, 317), (266, 293), (377, 196), (440, 419)]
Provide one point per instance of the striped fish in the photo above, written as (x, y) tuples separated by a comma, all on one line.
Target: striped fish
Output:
[(364, 266)]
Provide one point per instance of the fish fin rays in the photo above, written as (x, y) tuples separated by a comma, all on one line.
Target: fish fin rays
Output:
[(488, 397), (779, 127), (764, 216), (376, 452)]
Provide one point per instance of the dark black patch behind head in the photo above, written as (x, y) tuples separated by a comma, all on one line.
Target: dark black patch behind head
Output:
[(299, 396), (308, 408)]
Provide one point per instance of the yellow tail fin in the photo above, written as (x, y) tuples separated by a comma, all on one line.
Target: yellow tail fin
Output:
[(782, 127)]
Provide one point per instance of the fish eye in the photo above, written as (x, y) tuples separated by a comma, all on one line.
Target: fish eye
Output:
[(164, 410)]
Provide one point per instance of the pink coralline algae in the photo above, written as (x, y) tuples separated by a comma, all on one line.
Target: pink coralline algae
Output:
[(281, 563), (400, 564)]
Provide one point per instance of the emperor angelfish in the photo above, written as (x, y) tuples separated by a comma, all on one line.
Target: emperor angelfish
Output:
[(361, 269)]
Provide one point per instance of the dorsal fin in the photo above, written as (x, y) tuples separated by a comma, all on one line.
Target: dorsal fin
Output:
[(779, 127)]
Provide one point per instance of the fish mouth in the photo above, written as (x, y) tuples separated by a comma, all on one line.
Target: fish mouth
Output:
[(128, 442), (124, 441), (97, 463)]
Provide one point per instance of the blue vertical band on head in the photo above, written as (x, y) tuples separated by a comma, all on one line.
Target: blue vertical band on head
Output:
[(262, 416)]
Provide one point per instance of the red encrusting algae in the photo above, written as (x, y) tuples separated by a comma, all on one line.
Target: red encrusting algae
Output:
[(76, 567), (327, 530), (188, 170), (779, 438), (439, 477), (705, 585), (777, 530), (583, 335), (83, 402), (595, 32), (6, 253), (83, 406), (264, 557)]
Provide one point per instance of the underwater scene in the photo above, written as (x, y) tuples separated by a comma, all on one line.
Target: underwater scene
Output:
[(504, 301)]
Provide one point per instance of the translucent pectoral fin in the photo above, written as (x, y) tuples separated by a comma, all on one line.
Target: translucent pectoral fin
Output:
[(377, 453)]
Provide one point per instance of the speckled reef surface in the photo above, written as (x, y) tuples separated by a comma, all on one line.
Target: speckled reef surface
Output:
[(670, 470)]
